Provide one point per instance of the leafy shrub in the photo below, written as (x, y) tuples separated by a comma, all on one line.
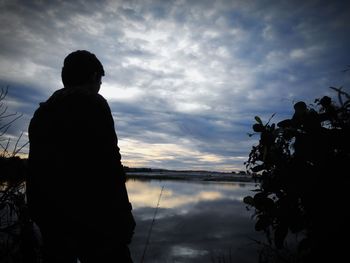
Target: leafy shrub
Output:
[(300, 165)]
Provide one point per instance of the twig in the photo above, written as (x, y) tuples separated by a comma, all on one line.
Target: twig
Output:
[(16, 145), (5, 149), (3, 93), (150, 229), (20, 148), (4, 131), (12, 121), (8, 115), (3, 111)]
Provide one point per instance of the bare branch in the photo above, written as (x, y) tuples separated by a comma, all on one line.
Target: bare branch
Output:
[(5, 149), (12, 121), (340, 91), (3, 93), (9, 115), (20, 148), (16, 144), (5, 130), (4, 110)]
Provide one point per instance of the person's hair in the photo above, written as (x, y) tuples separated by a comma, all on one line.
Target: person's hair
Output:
[(79, 67)]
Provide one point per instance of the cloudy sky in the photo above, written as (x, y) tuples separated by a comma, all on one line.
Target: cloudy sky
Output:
[(184, 79)]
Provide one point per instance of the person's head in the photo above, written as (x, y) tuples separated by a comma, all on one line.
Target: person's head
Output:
[(82, 68)]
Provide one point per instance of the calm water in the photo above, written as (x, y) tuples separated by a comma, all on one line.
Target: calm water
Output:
[(195, 222)]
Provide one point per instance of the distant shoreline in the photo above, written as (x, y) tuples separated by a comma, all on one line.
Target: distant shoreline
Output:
[(190, 176)]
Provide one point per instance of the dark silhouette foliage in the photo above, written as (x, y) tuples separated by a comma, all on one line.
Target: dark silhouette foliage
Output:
[(300, 164), (17, 242)]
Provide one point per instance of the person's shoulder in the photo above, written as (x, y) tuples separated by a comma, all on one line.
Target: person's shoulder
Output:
[(99, 98), (96, 99), (96, 103)]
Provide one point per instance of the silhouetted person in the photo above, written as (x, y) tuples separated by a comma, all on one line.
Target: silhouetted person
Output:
[(76, 182)]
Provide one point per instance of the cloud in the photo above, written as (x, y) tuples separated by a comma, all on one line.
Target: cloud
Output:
[(186, 73)]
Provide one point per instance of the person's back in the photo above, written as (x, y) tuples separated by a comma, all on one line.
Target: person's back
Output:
[(76, 184)]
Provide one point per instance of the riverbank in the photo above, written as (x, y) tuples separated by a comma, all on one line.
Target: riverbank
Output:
[(190, 175)]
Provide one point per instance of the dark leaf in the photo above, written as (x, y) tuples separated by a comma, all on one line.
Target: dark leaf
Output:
[(325, 101), (258, 120), (259, 200), (250, 134), (285, 123), (257, 127), (262, 224), (258, 168), (248, 200)]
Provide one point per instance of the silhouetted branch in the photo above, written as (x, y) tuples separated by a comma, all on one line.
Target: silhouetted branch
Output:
[(15, 150), (3, 93), (5, 149), (4, 130), (3, 111), (12, 121), (19, 149), (12, 192)]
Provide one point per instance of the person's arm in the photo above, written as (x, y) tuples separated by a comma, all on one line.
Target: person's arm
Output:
[(109, 147), (107, 152)]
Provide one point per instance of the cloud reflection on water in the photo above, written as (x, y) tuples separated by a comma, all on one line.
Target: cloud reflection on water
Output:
[(172, 197), (196, 221)]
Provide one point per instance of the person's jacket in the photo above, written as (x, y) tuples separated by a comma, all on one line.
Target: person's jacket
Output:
[(75, 171)]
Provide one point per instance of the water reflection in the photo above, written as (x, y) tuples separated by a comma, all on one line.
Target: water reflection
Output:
[(196, 221)]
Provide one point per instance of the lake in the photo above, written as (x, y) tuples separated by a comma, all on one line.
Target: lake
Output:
[(196, 221)]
